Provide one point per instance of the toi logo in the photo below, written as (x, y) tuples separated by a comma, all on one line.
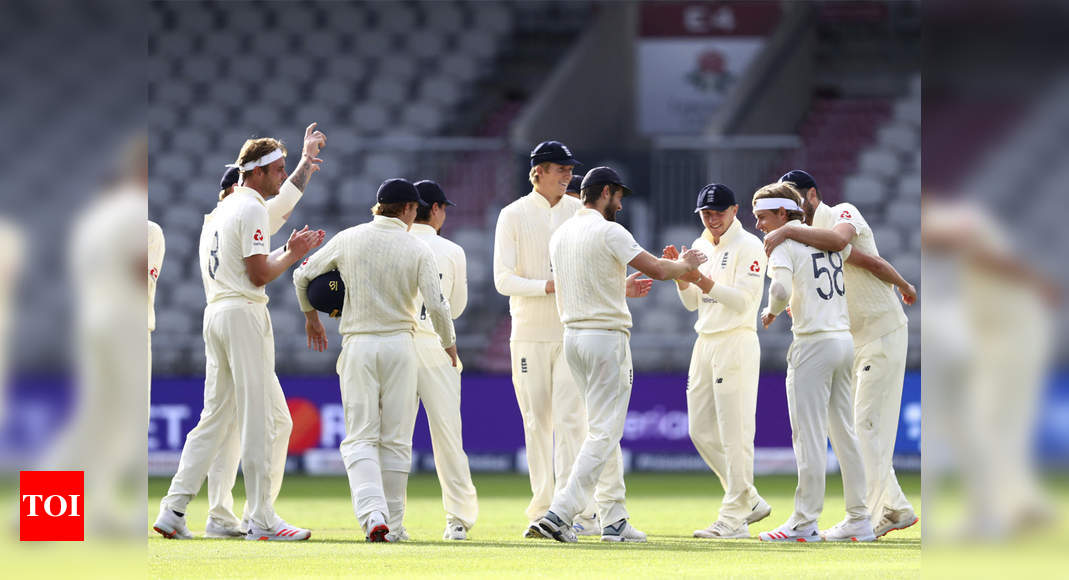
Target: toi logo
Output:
[(51, 506)]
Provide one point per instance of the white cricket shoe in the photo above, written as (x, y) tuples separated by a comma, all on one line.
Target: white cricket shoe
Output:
[(760, 511), (585, 526), (398, 535), (377, 528), (622, 531), (283, 532), (213, 529), (552, 526), (171, 525), (850, 531), (455, 530), (721, 531), (895, 520), (786, 533)]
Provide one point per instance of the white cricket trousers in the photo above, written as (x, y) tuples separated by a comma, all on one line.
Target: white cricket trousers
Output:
[(879, 370), (721, 410), (438, 387), (240, 391), (820, 400), (600, 360), (378, 391), (554, 425)]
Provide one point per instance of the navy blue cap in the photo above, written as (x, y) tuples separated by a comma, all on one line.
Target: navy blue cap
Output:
[(229, 178), (715, 196), (553, 151), (326, 293), (398, 190), (800, 178), (604, 176), (431, 192), (575, 185)]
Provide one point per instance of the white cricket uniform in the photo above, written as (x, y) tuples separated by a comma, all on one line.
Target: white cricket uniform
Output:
[(438, 383), (590, 256), (385, 270), (726, 363), (156, 249), (240, 381), (223, 471), (819, 390), (881, 338), (550, 404)]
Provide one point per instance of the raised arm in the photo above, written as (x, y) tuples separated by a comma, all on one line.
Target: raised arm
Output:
[(662, 269), (281, 206), (506, 248)]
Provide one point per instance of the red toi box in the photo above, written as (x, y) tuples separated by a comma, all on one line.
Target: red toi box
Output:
[(51, 506)]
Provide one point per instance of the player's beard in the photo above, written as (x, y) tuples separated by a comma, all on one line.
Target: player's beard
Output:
[(609, 213)]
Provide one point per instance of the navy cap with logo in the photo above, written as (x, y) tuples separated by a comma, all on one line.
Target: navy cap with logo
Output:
[(800, 178), (715, 196), (431, 192), (229, 178), (575, 185), (326, 293), (398, 190), (604, 176), (554, 152)]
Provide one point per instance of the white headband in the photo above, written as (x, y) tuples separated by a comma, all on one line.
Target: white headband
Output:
[(775, 203), (265, 160)]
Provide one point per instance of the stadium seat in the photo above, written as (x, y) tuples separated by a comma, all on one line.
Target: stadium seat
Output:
[(880, 163), (863, 191)]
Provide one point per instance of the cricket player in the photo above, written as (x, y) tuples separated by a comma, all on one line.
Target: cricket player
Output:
[(819, 393), (156, 249), (386, 271), (222, 523), (726, 361), (438, 381), (240, 382), (574, 186), (550, 403), (880, 332), (590, 254)]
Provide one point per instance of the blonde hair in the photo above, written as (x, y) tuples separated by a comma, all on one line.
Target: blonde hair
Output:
[(533, 175), (254, 149), (782, 190), (394, 210)]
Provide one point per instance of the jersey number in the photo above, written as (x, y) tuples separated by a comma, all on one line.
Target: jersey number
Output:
[(835, 275), (213, 258)]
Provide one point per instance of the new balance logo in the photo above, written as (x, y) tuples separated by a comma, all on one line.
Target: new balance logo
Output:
[(523, 365), (724, 261)]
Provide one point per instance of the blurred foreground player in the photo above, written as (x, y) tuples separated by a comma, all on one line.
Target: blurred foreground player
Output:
[(590, 253), (385, 270), (881, 335), (240, 383)]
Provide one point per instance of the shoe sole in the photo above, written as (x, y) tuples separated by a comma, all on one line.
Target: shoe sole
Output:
[(535, 533), (852, 539), (915, 520), (273, 538), (754, 518), (551, 533), (714, 537), (378, 534), (173, 535)]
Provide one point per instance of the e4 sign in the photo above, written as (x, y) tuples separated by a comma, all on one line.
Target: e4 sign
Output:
[(51, 506)]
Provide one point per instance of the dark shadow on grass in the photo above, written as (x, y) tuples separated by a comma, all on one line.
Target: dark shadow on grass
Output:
[(661, 544)]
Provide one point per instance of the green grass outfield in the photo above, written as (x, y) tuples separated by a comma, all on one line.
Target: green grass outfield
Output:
[(667, 506)]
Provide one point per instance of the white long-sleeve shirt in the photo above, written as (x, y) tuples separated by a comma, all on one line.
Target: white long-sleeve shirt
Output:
[(736, 265), (156, 249), (453, 272), (385, 269), (590, 256), (522, 266), (874, 308), (282, 204)]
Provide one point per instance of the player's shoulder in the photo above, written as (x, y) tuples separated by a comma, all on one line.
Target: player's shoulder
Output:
[(750, 241), (514, 207), (450, 246), (154, 230), (847, 211)]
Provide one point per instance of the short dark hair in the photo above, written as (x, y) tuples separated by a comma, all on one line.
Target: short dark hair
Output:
[(591, 194), (423, 213)]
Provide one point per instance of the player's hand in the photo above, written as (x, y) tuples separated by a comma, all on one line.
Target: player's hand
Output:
[(767, 318), (452, 352), (909, 294), (776, 237), (313, 141), (638, 288), (551, 287), (670, 253), (300, 241), (693, 258), (317, 334)]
